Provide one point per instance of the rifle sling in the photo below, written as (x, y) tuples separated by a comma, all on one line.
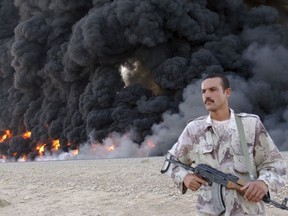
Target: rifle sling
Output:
[(244, 146)]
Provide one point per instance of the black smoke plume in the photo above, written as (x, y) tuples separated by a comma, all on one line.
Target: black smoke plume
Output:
[(99, 71)]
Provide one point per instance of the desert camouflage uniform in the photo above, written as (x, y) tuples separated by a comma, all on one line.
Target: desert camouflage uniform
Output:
[(201, 143)]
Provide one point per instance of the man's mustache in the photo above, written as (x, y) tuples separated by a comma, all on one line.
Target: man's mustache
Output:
[(209, 100)]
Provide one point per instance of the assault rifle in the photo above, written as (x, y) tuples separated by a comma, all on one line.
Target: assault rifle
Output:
[(217, 180)]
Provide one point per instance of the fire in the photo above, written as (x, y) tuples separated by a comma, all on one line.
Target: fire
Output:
[(8, 132), (7, 135), (53, 146), (102, 150), (26, 135), (111, 148), (41, 149), (56, 144), (74, 152), (3, 138), (150, 144), (96, 146), (23, 158)]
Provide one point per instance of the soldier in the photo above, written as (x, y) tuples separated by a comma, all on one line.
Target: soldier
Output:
[(214, 140)]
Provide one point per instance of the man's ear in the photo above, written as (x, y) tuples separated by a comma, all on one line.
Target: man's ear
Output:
[(228, 92)]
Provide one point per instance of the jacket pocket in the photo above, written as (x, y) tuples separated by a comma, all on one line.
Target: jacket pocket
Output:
[(204, 153), (205, 149), (240, 163)]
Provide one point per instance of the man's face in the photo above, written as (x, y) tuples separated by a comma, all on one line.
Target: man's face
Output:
[(213, 95)]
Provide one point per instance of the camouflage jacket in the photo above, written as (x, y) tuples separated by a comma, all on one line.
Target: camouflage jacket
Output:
[(200, 143)]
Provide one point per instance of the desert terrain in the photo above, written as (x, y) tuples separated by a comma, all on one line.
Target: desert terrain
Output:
[(99, 187)]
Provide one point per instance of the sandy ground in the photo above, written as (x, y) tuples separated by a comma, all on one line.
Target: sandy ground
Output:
[(131, 186)]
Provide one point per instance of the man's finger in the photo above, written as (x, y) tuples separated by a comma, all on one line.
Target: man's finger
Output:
[(258, 196), (201, 180), (250, 193), (245, 187)]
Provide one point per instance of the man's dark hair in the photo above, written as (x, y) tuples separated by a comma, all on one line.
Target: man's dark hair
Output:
[(224, 80)]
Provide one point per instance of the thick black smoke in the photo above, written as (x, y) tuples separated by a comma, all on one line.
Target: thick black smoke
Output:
[(82, 71)]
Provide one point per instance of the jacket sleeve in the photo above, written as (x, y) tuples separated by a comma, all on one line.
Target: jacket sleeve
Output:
[(180, 151), (269, 161)]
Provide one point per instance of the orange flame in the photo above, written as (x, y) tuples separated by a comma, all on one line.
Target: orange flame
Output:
[(56, 144), (3, 138), (41, 149), (75, 152), (6, 135), (8, 132), (23, 158), (26, 135), (111, 148)]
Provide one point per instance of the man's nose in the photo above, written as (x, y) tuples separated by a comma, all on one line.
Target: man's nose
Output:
[(207, 95)]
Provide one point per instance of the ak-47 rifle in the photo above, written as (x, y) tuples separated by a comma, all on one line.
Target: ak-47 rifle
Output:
[(217, 180)]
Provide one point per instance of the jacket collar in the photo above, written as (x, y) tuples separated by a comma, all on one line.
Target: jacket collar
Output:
[(232, 123)]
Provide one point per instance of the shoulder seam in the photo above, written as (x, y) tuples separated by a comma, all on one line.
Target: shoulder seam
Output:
[(244, 115), (196, 119)]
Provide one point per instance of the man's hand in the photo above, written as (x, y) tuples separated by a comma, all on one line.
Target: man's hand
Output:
[(254, 191), (193, 182)]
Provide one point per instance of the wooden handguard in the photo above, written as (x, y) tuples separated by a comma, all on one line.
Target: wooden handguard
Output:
[(236, 186)]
